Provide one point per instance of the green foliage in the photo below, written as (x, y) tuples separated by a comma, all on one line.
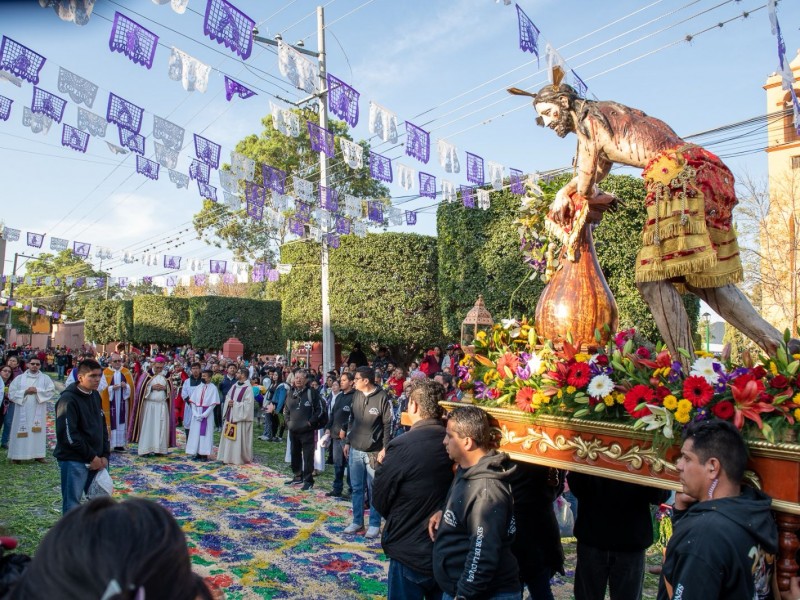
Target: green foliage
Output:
[(160, 320), (258, 323), (66, 299), (21, 321), (250, 239), (125, 320), (101, 321), (382, 290), (479, 253)]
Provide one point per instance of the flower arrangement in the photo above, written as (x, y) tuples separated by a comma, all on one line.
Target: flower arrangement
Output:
[(538, 249), (623, 381)]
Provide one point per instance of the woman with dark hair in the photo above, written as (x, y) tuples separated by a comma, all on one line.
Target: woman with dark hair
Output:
[(7, 413), (113, 550)]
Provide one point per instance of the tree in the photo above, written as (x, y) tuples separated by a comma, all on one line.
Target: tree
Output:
[(255, 240), (479, 253), (136, 289), (257, 323), (161, 320), (125, 320), (769, 241), (66, 296), (382, 291), (101, 321)]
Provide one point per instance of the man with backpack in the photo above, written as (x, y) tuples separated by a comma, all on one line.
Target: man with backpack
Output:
[(305, 413)]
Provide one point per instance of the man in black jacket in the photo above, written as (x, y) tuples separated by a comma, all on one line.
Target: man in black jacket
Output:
[(472, 556), (340, 415), (724, 539), (368, 433), (82, 446), (410, 485), (614, 528), (303, 411)]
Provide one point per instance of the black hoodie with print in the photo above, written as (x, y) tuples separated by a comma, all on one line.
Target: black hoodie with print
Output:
[(472, 552), (721, 549)]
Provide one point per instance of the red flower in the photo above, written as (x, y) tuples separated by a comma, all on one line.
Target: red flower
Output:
[(723, 410), (507, 360), (697, 390), (642, 352), (602, 360), (758, 372), (579, 375), (523, 399), (779, 382), (662, 392), (635, 396)]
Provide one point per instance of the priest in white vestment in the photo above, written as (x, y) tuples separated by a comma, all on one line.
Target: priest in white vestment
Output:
[(116, 400), (30, 392), (236, 441), (200, 409), (152, 422)]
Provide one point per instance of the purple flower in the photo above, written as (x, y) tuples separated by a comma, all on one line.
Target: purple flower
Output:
[(482, 391), (675, 373), (701, 415), (524, 372)]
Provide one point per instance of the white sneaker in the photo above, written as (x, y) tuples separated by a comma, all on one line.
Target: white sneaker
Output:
[(353, 528), (373, 532), (263, 438)]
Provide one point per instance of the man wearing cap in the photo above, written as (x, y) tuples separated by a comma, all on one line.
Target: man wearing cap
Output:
[(151, 424), (115, 397)]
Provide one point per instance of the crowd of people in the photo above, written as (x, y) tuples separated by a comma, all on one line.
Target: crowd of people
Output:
[(456, 517)]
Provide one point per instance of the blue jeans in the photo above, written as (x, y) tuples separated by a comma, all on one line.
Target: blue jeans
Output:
[(61, 369), (408, 584), (7, 419), (361, 475), (500, 596), (75, 481)]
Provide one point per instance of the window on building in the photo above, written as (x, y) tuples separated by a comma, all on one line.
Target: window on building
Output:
[(789, 132), (796, 162)]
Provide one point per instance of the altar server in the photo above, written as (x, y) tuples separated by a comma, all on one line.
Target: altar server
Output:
[(199, 409)]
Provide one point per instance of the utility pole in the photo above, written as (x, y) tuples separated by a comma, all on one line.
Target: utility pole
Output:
[(11, 291), (322, 96)]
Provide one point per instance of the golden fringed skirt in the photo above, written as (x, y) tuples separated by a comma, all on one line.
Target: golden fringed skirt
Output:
[(688, 237)]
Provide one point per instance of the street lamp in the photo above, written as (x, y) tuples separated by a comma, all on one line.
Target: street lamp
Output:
[(707, 322)]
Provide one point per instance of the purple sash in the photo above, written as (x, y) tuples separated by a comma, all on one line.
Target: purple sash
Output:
[(113, 406), (239, 399), (204, 422)]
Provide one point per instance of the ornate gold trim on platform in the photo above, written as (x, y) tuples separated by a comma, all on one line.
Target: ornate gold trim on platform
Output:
[(634, 457)]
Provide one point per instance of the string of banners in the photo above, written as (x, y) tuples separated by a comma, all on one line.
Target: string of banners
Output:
[(259, 272), (56, 316), (222, 22)]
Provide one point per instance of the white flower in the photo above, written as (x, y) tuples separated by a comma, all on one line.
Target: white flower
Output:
[(704, 367), (600, 386), (512, 325), (659, 418), (535, 365)]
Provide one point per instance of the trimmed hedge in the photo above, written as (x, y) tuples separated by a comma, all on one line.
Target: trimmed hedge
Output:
[(125, 320), (161, 320), (101, 321), (258, 323)]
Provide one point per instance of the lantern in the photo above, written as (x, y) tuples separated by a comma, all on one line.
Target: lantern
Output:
[(477, 319)]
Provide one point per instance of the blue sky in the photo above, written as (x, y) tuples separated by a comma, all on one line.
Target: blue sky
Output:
[(441, 65)]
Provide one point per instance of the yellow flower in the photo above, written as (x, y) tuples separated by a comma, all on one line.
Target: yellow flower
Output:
[(619, 397), (582, 357), (489, 376), (797, 414), (682, 417), (773, 368), (560, 394), (571, 389), (670, 402), (609, 401), (796, 398), (500, 384), (684, 406), (703, 354), (481, 336), (796, 356), (540, 398)]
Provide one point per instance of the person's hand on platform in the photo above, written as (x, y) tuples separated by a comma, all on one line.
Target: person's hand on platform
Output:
[(433, 524), (683, 501)]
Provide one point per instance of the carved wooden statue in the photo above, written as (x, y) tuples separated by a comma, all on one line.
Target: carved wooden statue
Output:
[(689, 243)]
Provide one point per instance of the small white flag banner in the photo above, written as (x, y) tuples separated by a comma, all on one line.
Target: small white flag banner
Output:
[(483, 198), (495, 174), (58, 244), (448, 191)]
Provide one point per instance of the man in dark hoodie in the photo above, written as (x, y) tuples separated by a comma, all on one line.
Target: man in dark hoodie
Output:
[(340, 415), (724, 539), (82, 445), (472, 558), (410, 485), (303, 411)]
